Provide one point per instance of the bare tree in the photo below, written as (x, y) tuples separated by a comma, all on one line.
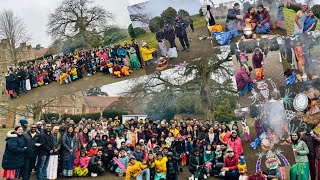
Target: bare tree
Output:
[(77, 17), (206, 77), (13, 29), (137, 13)]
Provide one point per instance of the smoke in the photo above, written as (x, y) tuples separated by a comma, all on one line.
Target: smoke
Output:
[(273, 116)]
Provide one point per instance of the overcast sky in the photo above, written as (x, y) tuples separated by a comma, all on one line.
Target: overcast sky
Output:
[(156, 7), (35, 14)]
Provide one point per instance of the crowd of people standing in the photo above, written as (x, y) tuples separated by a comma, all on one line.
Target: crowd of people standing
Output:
[(140, 148)]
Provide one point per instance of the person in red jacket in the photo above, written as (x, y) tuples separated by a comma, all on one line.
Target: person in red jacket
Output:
[(229, 170)]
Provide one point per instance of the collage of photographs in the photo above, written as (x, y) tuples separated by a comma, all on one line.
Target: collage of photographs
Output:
[(160, 89)]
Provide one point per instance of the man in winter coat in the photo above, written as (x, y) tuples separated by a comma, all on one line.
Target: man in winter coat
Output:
[(46, 148), (169, 34), (181, 32), (234, 18), (230, 169), (179, 147), (31, 137)]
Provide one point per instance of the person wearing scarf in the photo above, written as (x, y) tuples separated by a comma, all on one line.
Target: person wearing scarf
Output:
[(310, 23), (69, 150), (300, 170)]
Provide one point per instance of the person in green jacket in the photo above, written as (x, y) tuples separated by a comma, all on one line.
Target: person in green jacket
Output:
[(300, 170)]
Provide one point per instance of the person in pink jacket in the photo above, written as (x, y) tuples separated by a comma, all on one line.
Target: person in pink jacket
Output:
[(81, 165), (235, 143)]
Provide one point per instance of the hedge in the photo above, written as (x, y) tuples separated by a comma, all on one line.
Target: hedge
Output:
[(78, 117), (112, 114)]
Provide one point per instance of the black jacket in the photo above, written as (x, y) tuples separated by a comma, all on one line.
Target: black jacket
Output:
[(180, 28), (160, 36), (178, 146), (94, 161), (13, 157), (193, 161), (47, 143), (10, 82), (172, 167), (169, 33), (32, 150)]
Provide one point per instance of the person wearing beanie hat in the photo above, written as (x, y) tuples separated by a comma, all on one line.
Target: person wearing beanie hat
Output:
[(96, 165), (24, 123), (230, 169), (137, 170)]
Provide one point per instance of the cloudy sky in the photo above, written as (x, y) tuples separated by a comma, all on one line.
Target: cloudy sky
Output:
[(156, 7), (35, 14)]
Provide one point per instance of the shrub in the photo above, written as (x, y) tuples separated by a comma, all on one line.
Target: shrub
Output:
[(316, 10), (139, 31), (249, 46), (274, 45), (169, 15), (155, 24), (51, 115), (131, 31), (112, 114), (78, 117), (183, 13), (294, 7), (200, 12), (224, 112)]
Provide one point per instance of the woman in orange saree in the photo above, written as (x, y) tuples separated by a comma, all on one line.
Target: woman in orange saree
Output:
[(224, 134), (300, 58)]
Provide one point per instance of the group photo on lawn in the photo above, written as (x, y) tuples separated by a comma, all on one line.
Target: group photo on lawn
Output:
[(176, 32), (231, 22), (160, 90)]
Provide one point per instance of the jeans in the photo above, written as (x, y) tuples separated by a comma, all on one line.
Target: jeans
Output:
[(23, 85), (29, 164), (145, 172), (184, 41), (42, 165), (230, 175)]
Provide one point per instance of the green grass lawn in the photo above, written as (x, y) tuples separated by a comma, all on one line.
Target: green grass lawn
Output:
[(150, 38), (290, 16)]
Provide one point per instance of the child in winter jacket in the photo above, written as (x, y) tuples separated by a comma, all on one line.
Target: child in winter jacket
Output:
[(172, 167), (208, 158), (243, 58), (160, 165), (123, 159), (81, 165), (93, 151)]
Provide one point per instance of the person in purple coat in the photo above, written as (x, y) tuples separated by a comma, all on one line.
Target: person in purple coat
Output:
[(244, 82)]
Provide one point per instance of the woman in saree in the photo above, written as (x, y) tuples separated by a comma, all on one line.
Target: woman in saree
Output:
[(311, 22), (300, 58), (257, 62), (134, 61), (224, 134), (263, 17), (300, 170), (69, 144), (250, 18), (300, 19)]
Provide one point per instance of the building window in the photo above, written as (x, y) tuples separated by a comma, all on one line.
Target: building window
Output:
[(3, 114), (95, 108)]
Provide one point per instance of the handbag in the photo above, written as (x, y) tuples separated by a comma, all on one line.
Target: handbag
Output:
[(28, 85)]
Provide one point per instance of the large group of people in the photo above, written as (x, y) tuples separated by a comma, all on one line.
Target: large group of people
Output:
[(140, 149)]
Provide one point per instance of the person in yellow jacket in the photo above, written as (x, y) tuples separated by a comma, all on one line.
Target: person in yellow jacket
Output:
[(137, 170), (160, 165), (65, 77), (74, 73), (146, 53)]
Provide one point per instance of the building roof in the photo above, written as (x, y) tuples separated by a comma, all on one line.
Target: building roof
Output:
[(99, 101), (41, 52)]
